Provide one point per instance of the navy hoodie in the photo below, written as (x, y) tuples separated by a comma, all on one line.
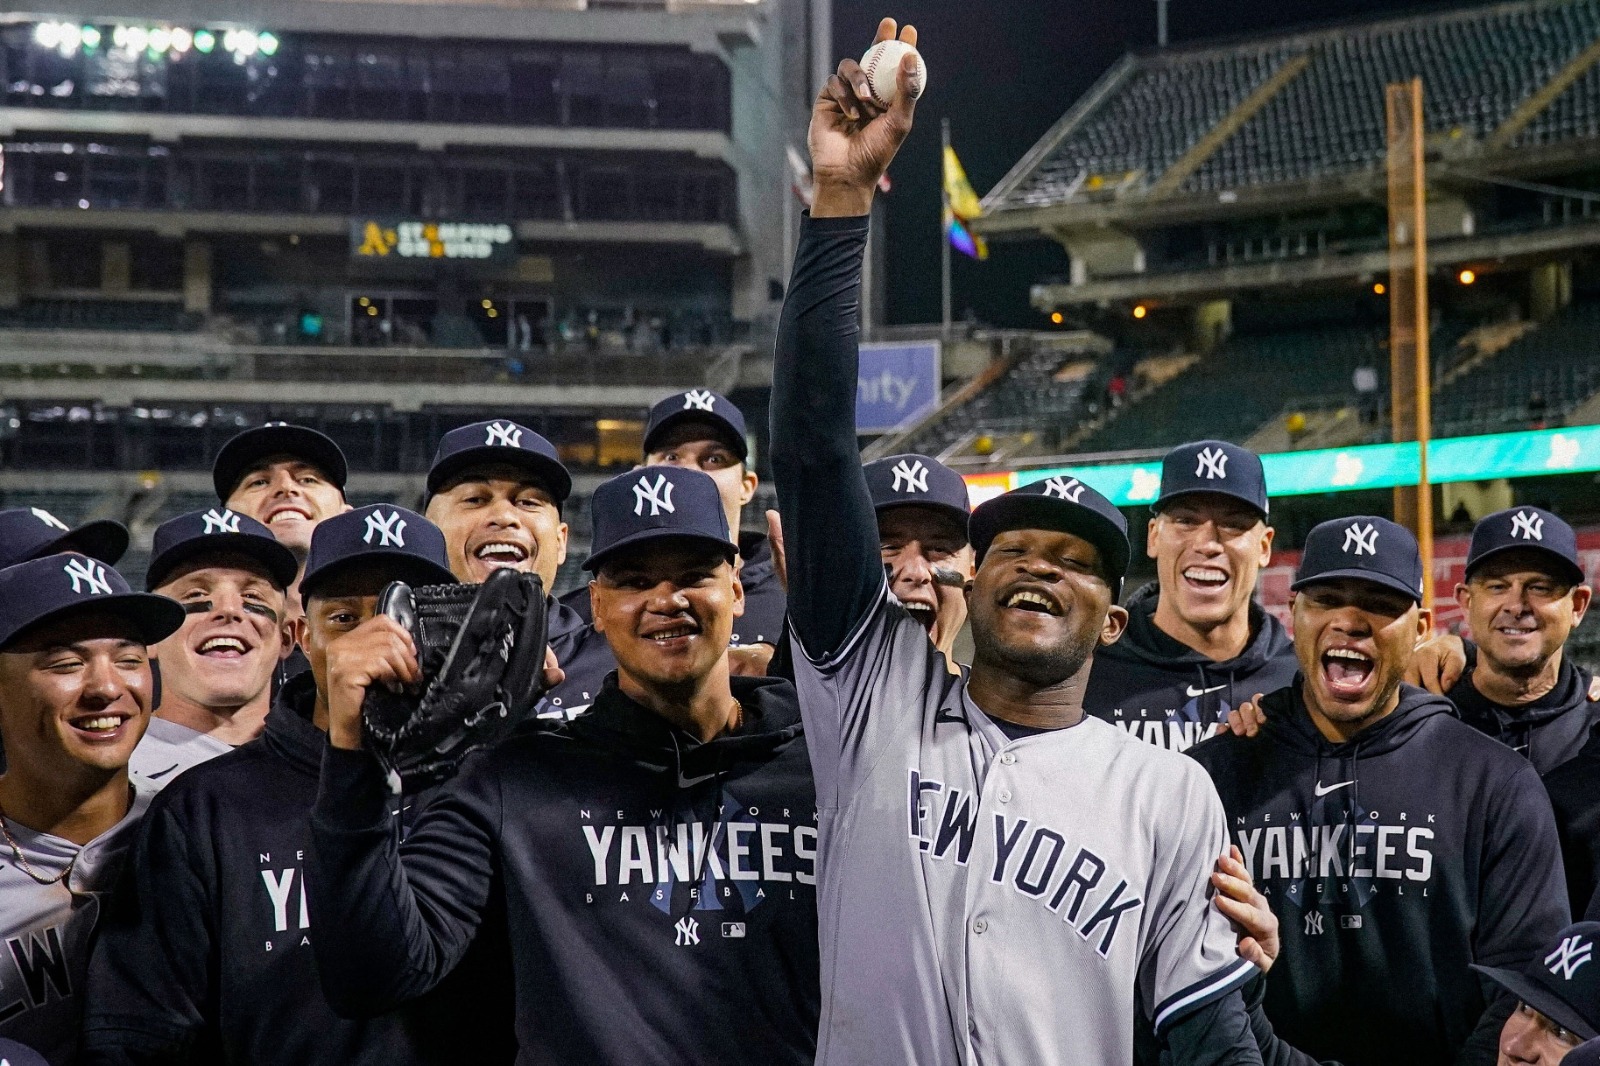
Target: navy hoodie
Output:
[(206, 956), (1574, 789), (1393, 861), (660, 892), (1170, 695), (1548, 731)]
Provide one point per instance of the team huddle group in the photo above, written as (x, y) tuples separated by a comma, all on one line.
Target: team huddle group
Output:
[(763, 815)]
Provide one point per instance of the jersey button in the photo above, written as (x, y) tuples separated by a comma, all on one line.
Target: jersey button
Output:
[(980, 926), (1005, 795), (1009, 757)]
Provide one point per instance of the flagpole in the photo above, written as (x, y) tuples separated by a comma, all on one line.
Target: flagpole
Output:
[(944, 233)]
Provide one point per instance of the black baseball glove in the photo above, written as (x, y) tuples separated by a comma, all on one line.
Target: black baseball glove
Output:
[(481, 649)]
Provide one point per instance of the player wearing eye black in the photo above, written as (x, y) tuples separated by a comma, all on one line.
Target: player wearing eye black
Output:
[(230, 575)]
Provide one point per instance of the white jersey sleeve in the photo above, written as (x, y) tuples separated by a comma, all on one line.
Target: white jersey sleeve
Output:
[(1190, 955)]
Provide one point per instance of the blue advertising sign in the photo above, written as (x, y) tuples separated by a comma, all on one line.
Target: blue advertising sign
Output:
[(897, 384)]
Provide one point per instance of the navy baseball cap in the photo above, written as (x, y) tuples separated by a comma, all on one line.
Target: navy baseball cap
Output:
[(55, 586), (1585, 1054), (499, 441), (1064, 504), (217, 530), (1562, 982), (1366, 547), (654, 503), (918, 480), (1213, 466), (241, 454), (403, 539), (31, 532), (1531, 529), (698, 405)]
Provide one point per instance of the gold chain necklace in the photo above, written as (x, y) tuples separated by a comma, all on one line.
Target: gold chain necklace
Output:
[(16, 850)]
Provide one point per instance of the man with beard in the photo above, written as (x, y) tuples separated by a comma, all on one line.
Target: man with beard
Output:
[(229, 573), (1000, 878), (496, 489), (1397, 846), (654, 857)]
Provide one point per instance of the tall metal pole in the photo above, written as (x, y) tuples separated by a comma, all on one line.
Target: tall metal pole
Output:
[(1161, 23), (944, 232), (1411, 395)]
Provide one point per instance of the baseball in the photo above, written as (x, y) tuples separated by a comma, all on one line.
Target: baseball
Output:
[(880, 63)]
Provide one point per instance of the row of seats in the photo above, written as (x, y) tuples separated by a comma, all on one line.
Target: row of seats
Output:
[(140, 315), (1535, 381)]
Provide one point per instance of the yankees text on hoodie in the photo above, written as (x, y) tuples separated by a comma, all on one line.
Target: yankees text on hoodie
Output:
[(1166, 693), (659, 892), (1393, 861), (205, 955)]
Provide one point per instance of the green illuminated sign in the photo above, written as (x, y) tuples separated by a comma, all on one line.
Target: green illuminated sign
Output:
[(1372, 466)]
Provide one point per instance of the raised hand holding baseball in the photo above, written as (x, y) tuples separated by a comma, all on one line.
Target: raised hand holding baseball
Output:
[(853, 136)]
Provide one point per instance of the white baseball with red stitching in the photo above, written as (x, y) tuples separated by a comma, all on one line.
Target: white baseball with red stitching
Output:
[(879, 65)]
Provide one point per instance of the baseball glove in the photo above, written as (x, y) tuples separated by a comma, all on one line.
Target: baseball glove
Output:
[(481, 649)]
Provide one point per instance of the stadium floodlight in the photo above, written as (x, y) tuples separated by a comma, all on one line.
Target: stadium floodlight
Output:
[(1467, 277), (204, 41), (267, 44), (1140, 310), (90, 37), (65, 37), (182, 40), (160, 39)]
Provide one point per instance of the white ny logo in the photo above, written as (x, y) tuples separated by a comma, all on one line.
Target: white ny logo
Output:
[(1527, 525), (699, 400), (226, 522), (1068, 489), (1314, 923), (910, 478), (86, 571), (47, 518), (1361, 540), (1569, 957), (688, 931), (505, 433), (658, 496), (390, 529), (1213, 464)]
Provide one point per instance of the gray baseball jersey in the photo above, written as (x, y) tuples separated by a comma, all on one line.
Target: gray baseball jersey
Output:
[(168, 749), (47, 929), (996, 901)]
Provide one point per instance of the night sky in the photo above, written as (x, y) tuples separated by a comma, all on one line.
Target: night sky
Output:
[(1003, 71)]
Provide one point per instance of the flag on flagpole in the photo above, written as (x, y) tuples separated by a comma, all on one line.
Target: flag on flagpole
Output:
[(961, 207)]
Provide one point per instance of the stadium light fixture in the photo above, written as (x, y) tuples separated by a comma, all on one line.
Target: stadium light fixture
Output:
[(1467, 277), (1140, 310), (1055, 316), (1379, 288), (204, 41)]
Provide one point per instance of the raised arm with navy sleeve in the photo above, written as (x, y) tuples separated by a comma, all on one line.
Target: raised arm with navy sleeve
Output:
[(835, 573)]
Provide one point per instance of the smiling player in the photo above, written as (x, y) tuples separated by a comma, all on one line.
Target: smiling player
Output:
[(1397, 846)]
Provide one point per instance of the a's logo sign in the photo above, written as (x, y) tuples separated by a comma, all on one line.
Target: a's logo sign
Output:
[(658, 496), (1361, 540), (910, 477), (1567, 959), (220, 522), (699, 400), (1527, 525), (688, 931), (1068, 489), (1314, 923), (1213, 464), (88, 577), (390, 529), (47, 518), (504, 434)]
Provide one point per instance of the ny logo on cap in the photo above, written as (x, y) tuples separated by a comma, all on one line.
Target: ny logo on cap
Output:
[(1569, 957), (1361, 540), (87, 572), (505, 434), (1213, 464), (699, 400), (390, 529), (47, 518), (223, 522), (1527, 525), (1068, 489), (911, 477), (658, 496)]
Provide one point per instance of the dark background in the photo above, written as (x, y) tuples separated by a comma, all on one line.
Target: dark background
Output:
[(1002, 72)]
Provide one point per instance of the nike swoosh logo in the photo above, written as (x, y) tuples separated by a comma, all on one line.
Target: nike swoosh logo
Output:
[(688, 782), (1192, 691), (942, 715), (162, 773), (1321, 791)]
